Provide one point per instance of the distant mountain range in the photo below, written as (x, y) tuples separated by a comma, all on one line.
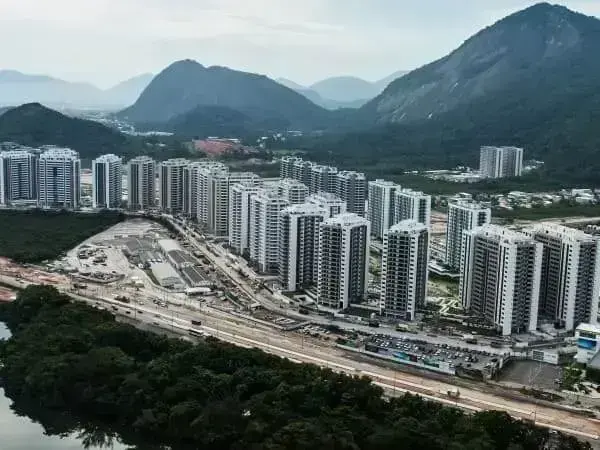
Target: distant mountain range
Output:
[(17, 88), (342, 92)]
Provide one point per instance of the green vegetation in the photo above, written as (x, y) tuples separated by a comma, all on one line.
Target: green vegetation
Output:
[(68, 357), (32, 236), (544, 212)]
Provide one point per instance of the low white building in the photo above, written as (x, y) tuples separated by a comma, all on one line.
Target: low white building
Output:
[(587, 337), (167, 276)]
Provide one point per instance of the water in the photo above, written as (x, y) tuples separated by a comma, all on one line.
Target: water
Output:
[(21, 433)]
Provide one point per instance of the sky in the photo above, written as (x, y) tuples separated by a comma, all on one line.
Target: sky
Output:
[(107, 41)]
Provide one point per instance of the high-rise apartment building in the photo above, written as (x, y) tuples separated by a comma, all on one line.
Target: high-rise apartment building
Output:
[(293, 190), (500, 162), (239, 215), (18, 177), (462, 216), (331, 202), (171, 185), (500, 277), (322, 178), (381, 206), (343, 263), (107, 181), (219, 185), (59, 172), (412, 205), (299, 245), (404, 269), (141, 183), (264, 229), (191, 183), (570, 274), (287, 166), (352, 188), (210, 169)]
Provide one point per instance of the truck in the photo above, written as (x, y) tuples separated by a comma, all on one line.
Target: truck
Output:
[(196, 322), (453, 393)]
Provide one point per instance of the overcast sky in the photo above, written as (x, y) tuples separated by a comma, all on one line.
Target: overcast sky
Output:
[(105, 41)]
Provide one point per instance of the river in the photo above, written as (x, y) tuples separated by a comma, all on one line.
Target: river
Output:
[(21, 433)]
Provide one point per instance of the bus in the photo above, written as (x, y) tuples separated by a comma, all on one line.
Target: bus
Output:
[(195, 333), (196, 322)]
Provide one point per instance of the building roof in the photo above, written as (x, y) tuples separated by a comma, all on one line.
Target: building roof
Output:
[(589, 327), (164, 271), (168, 245)]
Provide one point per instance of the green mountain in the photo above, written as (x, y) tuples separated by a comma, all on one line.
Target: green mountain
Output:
[(186, 85), (33, 124), (517, 52), (529, 80)]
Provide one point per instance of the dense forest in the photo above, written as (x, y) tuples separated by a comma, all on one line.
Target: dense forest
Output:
[(68, 357), (31, 236)]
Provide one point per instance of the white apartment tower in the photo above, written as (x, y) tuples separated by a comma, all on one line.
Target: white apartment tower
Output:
[(500, 277), (264, 229), (299, 245), (343, 263), (171, 184), (404, 269), (500, 162), (210, 169), (191, 182), (570, 280), (219, 185), (107, 181), (293, 190), (412, 205), (331, 202), (352, 188), (239, 215), (141, 183), (286, 166), (322, 179), (380, 210), (59, 172), (462, 216), (18, 177)]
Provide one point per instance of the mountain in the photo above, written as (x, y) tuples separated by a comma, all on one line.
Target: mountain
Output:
[(341, 92), (383, 83), (345, 89), (33, 124), (127, 92), (186, 85), (524, 48), (529, 80), (17, 88)]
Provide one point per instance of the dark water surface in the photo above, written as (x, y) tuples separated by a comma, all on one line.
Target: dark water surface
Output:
[(21, 433)]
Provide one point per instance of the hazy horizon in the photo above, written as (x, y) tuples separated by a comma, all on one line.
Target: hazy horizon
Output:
[(107, 41)]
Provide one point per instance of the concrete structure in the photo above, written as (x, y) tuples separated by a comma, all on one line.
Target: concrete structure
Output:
[(570, 281), (380, 210), (500, 277), (404, 269), (210, 169), (59, 172), (331, 202), (500, 162), (343, 261), (107, 181), (294, 191), (239, 215), (587, 337), (322, 178), (462, 216), (412, 205), (299, 245), (170, 185), (264, 228), (287, 165), (219, 184), (167, 276), (18, 177), (352, 188), (141, 183)]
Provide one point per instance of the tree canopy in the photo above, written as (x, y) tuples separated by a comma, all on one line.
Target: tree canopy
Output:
[(71, 357)]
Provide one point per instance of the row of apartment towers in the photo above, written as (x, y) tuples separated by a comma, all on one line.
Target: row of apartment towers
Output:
[(301, 227)]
